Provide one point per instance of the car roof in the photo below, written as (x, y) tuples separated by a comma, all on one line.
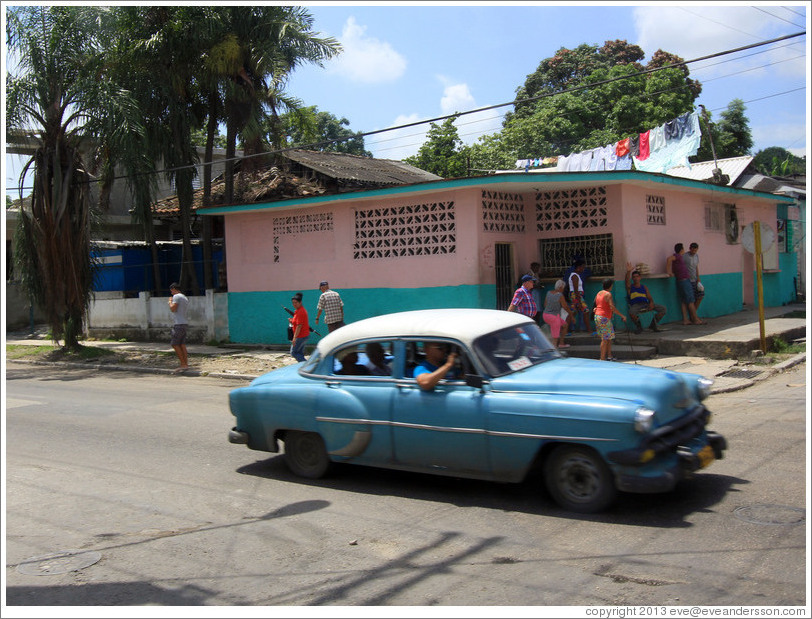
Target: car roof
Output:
[(463, 324)]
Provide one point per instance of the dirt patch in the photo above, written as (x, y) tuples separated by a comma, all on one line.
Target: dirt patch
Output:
[(242, 363)]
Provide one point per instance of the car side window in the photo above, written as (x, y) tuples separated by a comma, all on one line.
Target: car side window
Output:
[(364, 359)]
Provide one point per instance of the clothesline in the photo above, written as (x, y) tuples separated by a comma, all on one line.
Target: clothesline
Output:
[(655, 150)]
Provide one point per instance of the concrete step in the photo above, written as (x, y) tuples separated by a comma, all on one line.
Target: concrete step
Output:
[(619, 351)]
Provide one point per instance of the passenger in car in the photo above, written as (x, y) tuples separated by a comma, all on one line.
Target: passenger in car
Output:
[(437, 365), (351, 367), (377, 360)]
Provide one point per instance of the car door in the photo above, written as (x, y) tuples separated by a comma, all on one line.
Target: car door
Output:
[(354, 408), (442, 430)]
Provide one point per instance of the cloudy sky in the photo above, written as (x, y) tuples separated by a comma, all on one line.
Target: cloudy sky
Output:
[(405, 63)]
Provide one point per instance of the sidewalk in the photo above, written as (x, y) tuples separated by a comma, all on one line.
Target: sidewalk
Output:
[(711, 350)]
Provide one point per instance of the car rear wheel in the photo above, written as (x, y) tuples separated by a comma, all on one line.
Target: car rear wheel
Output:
[(579, 480), (306, 455)]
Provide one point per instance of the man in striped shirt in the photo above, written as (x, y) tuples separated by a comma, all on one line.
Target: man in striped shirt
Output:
[(523, 301), (333, 307)]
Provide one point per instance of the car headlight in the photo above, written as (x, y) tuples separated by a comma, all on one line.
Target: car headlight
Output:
[(703, 388), (643, 419)]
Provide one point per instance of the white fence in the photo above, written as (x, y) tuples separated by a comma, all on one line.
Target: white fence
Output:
[(147, 318)]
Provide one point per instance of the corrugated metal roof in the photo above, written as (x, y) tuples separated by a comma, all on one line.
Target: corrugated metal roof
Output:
[(342, 166), (703, 171)]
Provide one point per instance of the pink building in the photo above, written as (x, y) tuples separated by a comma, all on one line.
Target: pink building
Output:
[(464, 243)]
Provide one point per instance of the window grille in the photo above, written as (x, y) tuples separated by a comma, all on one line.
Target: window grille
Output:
[(557, 255), (655, 210), (299, 224), (571, 209), (715, 217), (502, 211), (414, 230)]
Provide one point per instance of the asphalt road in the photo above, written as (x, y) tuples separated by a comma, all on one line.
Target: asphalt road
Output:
[(132, 475)]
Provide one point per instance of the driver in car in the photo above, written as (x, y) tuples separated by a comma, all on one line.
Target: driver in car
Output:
[(438, 364)]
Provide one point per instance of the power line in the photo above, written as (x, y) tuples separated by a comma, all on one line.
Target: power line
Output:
[(474, 111)]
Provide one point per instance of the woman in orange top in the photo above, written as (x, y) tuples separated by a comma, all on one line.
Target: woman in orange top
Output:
[(604, 310)]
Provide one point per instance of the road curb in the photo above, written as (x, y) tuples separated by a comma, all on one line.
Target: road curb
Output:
[(738, 384)]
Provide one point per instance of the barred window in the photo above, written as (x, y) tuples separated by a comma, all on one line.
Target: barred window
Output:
[(557, 255)]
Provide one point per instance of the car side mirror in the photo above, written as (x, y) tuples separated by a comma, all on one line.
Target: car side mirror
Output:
[(474, 380)]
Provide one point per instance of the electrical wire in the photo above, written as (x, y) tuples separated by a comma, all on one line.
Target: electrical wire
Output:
[(474, 111)]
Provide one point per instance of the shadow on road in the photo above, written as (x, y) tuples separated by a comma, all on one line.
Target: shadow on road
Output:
[(668, 510)]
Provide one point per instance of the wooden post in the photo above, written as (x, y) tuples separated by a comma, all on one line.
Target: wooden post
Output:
[(759, 284)]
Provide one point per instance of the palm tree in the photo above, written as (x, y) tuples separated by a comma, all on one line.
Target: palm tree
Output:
[(253, 56), (60, 95)]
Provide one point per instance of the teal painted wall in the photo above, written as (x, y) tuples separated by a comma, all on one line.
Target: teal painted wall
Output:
[(259, 317), (723, 295), (779, 288)]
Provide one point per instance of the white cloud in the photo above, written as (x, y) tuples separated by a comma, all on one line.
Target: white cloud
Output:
[(696, 31), (366, 59), (458, 98)]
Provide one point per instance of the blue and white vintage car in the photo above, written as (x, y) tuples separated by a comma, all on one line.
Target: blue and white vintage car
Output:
[(511, 405)]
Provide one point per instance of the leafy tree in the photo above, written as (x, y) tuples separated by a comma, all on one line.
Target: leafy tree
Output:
[(310, 128), (731, 135), (62, 94), (587, 97), (777, 161), (443, 152)]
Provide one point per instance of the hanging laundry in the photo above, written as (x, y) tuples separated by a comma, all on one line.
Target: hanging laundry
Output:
[(634, 145), (645, 151), (622, 147), (624, 162), (656, 139), (675, 152), (562, 164), (609, 156)]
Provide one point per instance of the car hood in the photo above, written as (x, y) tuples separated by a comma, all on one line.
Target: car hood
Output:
[(652, 387), (278, 375)]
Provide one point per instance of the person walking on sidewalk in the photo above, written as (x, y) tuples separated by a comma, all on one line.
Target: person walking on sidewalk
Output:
[(640, 300), (333, 307), (557, 313), (178, 303), (523, 301), (301, 328), (604, 311)]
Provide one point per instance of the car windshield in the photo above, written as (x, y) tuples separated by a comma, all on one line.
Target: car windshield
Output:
[(513, 349)]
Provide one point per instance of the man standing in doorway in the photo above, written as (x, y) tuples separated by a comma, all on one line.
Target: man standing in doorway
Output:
[(333, 307), (178, 303), (691, 260)]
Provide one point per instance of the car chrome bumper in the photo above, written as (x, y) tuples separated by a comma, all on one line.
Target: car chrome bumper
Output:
[(687, 462), (238, 437)]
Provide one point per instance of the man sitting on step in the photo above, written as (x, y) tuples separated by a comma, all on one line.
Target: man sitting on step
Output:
[(640, 300)]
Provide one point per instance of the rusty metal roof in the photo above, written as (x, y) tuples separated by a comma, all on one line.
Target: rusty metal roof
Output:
[(342, 166)]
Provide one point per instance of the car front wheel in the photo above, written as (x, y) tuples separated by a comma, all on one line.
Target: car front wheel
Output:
[(306, 455), (579, 480)]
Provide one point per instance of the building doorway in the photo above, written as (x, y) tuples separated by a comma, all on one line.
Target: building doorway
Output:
[(505, 279)]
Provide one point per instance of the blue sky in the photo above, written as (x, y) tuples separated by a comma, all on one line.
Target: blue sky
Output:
[(404, 63)]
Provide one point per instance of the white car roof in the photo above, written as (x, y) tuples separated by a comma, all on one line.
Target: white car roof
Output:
[(463, 324)]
